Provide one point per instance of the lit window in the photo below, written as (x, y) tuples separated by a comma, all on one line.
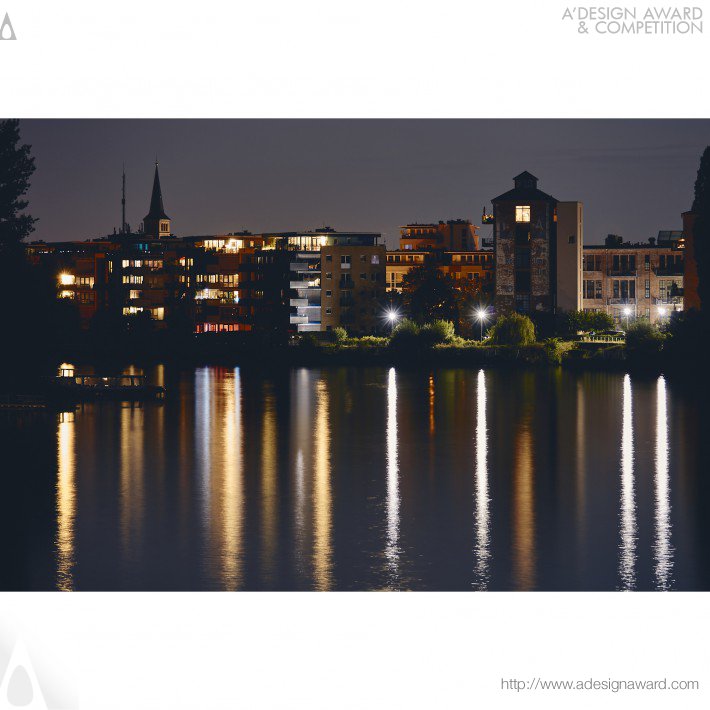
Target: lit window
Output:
[(158, 313), (522, 213), (375, 259), (66, 279), (134, 294)]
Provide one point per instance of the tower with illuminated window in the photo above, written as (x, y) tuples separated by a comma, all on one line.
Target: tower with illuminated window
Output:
[(524, 229), (156, 224)]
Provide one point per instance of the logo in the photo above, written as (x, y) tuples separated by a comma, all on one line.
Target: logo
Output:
[(6, 29), (632, 20), (31, 685), (20, 687)]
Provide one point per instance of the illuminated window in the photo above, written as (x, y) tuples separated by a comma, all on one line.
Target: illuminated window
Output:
[(164, 226), (158, 313), (134, 294), (522, 213), (66, 279), (66, 294)]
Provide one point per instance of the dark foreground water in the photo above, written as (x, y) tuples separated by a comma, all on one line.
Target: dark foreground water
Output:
[(363, 479)]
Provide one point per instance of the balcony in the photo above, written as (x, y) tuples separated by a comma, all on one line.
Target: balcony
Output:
[(621, 301), (304, 285), (675, 270), (299, 302), (309, 327), (298, 320), (622, 272)]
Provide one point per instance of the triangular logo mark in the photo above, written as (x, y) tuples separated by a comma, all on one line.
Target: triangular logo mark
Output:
[(6, 30), (20, 687)]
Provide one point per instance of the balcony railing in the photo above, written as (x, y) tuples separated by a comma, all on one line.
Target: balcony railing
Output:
[(622, 272), (621, 301)]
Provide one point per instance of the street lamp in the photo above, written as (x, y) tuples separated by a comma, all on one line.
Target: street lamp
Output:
[(627, 313), (481, 314), (392, 316)]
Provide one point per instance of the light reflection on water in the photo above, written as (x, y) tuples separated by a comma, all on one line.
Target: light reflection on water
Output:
[(313, 479), (663, 550), (627, 548), (66, 501), (482, 504), (392, 548)]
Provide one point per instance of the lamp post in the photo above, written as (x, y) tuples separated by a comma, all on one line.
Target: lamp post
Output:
[(627, 313), (392, 316), (481, 315)]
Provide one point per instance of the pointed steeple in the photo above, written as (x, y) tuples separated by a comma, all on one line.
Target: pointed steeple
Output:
[(157, 211), (156, 223)]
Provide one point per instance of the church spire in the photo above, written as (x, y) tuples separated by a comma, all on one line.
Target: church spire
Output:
[(156, 223), (157, 211)]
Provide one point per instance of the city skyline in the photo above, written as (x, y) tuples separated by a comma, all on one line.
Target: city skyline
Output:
[(634, 177)]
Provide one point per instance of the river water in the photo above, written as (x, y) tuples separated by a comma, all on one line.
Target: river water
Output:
[(363, 479)]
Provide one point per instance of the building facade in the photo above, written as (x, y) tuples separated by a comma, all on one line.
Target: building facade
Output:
[(690, 272), (453, 245), (353, 287), (630, 281), (452, 235), (336, 279)]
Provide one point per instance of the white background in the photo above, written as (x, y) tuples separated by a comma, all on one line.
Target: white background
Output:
[(327, 58), (313, 58)]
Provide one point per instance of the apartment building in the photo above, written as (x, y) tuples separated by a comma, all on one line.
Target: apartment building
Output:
[(627, 281), (452, 235), (453, 245), (353, 287), (323, 293)]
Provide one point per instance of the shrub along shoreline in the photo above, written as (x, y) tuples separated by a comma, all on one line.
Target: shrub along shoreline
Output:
[(510, 343)]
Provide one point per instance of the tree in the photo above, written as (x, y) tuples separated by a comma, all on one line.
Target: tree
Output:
[(586, 321), (514, 329), (16, 168), (430, 294), (701, 228)]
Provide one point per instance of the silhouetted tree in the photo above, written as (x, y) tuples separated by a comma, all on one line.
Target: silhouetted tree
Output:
[(33, 322), (701, 230), (429, 294), (16, 168)]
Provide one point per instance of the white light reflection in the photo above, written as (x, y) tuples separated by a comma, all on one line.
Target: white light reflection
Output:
[(66, 501), (627, 561), (662, 548), (392, 548), (482, 516), (203, 428)]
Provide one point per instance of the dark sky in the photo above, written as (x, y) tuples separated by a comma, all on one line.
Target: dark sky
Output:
[(634, 176)]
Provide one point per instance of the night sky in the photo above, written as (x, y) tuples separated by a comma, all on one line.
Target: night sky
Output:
[(635, 177)]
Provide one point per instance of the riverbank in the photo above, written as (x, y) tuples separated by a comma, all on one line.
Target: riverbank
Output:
[(25, 373)]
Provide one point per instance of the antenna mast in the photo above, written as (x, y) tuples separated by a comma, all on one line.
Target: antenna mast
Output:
[(123, 203)]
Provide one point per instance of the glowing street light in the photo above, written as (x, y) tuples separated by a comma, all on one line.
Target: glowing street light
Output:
[(627, 313), (392, 316), (481, 314)]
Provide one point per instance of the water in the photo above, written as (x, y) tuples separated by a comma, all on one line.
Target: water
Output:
[(362, 479)]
